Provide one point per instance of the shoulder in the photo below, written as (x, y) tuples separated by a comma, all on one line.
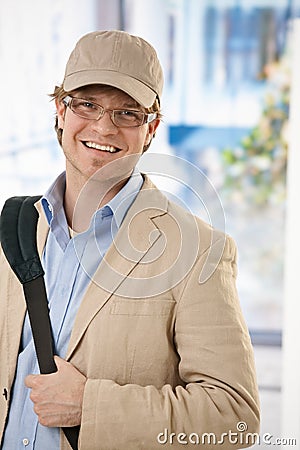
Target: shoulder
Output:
[(187, 236), (175, 217)]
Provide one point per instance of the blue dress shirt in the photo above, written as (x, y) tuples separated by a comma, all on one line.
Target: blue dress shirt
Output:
[(69, 263)]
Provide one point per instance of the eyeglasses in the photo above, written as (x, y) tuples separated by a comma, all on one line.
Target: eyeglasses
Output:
[(121, 118)]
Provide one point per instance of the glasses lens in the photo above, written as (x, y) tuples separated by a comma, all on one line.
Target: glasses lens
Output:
[(84, 108), (120, 117), (127, 118)]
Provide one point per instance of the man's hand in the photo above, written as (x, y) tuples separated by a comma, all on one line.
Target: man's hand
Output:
[(58, 397)]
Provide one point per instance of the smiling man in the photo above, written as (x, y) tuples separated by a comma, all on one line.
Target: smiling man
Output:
[(146, 345), (101, 124)]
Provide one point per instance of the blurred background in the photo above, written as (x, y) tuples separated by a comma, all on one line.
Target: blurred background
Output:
[(226, 103)]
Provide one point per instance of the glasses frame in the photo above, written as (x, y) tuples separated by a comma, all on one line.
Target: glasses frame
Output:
[(146, 117)]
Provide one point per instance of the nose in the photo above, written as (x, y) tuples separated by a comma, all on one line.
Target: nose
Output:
[(105, 125)]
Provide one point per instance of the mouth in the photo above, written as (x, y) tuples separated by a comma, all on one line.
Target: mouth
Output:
[(102, 148)]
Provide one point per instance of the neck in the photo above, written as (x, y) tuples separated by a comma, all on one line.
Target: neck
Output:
[(84, 196)]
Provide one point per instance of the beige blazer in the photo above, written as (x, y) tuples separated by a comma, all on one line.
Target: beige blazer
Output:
[(159, 335)]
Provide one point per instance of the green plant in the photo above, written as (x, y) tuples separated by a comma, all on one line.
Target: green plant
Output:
[(257, 167)]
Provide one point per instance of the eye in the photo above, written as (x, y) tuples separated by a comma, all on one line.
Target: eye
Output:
[(83, 104), (86, 104), (85, 108), (128, 114)]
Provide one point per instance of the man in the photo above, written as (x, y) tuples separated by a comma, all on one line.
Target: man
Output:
[(151, 343)]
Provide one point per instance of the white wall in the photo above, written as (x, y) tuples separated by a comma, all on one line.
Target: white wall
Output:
[(291, 326), (36, 38)]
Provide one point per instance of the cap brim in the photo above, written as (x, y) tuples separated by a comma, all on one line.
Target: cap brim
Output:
[(140, 92)]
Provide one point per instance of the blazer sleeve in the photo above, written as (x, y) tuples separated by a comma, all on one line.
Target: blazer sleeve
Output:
[(217, 404)]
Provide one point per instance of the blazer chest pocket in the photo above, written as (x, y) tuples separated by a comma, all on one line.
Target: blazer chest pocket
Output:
[(149, 307), (140, 336)]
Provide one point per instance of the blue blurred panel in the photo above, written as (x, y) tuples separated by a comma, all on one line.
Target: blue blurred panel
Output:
[(193, 138)]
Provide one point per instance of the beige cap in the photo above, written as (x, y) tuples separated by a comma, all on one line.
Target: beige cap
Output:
[(117, 59)]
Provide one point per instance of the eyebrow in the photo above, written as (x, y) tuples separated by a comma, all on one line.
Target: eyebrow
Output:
[(127, 104), (133, 104)]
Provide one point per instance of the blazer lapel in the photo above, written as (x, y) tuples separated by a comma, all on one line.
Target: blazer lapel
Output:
[(42, 229), (137, 235), (16, 309)]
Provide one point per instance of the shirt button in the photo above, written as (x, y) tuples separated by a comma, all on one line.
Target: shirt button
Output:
[(25, 441)]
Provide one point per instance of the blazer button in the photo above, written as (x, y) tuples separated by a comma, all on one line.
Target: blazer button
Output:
[(5, 393)]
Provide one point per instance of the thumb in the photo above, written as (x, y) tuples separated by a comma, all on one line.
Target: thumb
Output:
[(60, 362)]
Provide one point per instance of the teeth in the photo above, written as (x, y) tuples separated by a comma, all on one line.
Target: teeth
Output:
[(105, 148)]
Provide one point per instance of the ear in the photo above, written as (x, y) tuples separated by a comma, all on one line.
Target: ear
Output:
[(60, 111), (152, 127)]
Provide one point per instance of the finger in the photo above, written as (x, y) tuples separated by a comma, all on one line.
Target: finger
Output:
[(29, 380)]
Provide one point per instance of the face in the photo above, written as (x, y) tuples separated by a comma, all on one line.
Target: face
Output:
[(90, 145)]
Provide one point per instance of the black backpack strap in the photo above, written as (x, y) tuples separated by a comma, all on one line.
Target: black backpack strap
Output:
[(18, 237), (18, 225)]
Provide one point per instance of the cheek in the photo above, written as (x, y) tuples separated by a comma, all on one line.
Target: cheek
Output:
[(70, 127), (134, 138), (68, 136), (67, 121), (144, 137)]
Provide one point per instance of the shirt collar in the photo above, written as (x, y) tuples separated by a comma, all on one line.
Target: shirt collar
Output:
[(122, 201), (52, 201)]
